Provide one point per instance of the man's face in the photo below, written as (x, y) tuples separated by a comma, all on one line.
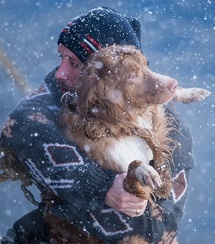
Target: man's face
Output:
[(68, 70)]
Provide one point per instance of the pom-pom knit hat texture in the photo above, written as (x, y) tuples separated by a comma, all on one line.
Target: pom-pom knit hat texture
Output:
[(100, 27)]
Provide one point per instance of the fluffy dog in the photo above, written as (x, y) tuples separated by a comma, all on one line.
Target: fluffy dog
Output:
[(117, 117)]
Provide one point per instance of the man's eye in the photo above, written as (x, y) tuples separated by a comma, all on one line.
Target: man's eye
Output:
[(74, 65), (71, 61)]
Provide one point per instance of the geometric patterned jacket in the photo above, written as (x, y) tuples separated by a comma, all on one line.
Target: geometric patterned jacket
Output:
[(32, 134)]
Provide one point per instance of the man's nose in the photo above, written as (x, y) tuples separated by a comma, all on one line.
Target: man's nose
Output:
[(61, 73)]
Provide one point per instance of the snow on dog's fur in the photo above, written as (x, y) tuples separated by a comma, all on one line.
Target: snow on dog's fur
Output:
[(120, 112), (118, 117)]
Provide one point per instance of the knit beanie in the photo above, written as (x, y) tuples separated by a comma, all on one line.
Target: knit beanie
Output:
[(100, 27)]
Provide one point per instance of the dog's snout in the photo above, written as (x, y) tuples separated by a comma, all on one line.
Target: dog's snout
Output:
[(172, 84)]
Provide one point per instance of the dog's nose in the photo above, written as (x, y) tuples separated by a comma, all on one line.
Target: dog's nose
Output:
[(172, 84)]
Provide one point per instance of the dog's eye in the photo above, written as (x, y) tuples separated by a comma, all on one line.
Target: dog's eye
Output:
[(133, 76)]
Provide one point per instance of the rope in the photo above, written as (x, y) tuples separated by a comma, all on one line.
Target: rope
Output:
[(10, 69)]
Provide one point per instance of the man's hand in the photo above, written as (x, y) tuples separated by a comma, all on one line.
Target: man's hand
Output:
[(123, 201)]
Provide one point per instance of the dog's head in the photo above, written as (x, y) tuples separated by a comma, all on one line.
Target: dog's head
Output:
[(119, 77)]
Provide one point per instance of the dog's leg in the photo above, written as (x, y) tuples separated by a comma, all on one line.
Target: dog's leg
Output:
[(189, 95), (141, 179), (137, 187), (133, 185), (161, 156)]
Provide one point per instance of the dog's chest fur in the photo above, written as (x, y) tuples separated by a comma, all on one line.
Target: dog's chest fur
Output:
[(126, 143), (124, 150)]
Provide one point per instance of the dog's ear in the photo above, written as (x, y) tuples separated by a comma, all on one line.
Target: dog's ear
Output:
[(96, 96), (100, 82), (86, 92)]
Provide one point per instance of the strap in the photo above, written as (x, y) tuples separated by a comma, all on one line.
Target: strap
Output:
[(29, 195)]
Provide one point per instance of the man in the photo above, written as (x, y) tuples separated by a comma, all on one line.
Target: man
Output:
[(87, 196)]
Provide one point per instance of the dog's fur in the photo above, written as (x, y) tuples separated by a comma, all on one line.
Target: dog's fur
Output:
[(118, 117)]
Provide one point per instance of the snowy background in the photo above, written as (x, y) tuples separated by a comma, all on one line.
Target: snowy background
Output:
[(178, 39)]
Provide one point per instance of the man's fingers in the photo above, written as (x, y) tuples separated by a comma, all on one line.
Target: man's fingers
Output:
[(133, 209), (123, 201), (135, 212)]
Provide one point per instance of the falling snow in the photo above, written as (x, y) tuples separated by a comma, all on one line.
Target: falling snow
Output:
[(178, 40)]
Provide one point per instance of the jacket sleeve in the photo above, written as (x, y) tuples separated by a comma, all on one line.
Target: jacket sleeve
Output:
[(32, 134)]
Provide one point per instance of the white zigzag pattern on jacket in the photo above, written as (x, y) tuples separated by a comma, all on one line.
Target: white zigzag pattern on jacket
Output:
[(81, 162), (112, 233), (47, 182), (177, 197), (57, 184), (39, 93)]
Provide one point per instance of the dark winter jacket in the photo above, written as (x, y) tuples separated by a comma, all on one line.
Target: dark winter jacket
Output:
[(31, 132)]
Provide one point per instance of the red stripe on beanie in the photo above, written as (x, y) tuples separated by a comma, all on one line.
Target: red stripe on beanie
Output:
[(93, 41), (86, 47), (65, 31)]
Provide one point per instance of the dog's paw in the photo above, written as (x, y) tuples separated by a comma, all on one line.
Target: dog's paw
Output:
[(148, 176), (189, 95)]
